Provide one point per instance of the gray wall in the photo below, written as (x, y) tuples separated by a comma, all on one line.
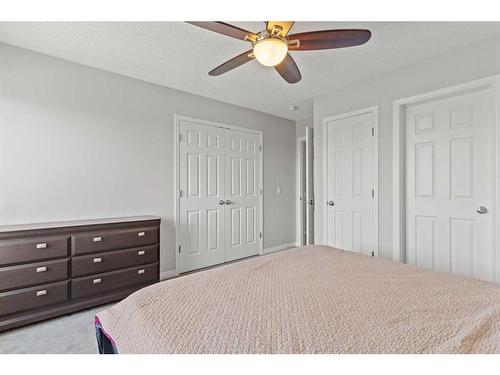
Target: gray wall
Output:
[(78, 142), (467, 64)]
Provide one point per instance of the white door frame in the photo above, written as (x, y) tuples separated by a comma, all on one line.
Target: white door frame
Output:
[(299, 202), (399, 157), (177, 120), (363, 111)]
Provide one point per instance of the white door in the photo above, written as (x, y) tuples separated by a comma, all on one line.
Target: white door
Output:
[(450, 185), (202, 189), (309, 186), (242, 195), (219, 195), (350, 202)]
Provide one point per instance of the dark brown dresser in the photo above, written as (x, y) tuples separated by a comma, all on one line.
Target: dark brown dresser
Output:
[(52, 269)]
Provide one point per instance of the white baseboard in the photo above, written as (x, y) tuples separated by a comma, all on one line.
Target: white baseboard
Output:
[(167, 274), (279, 248)]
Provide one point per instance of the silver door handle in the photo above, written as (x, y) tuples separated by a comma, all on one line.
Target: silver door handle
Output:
[(311, 201), (330, 203), (221, 202), (481, 210), (228, 202)]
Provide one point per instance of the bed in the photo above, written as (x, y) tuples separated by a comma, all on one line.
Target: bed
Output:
[(311, 299)]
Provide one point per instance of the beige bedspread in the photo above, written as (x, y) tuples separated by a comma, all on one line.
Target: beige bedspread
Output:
[(313, 299)]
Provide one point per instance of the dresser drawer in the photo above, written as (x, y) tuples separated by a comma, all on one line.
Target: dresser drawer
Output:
[(110, 281), (113, 260), (33, 274), (33, 249), (32, 298), (95, 242)]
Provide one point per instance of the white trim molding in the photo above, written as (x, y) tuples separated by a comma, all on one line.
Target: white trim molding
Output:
[(374, 111), (274, 249), (299, 203), (177, 120), (399, 157)]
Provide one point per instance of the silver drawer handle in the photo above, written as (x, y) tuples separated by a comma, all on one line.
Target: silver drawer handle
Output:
[(140, 272), (41, 245), (141, 252), (97, 260), (41, 293), (96, 281), (41, 269), (141, 234), (97, 239)]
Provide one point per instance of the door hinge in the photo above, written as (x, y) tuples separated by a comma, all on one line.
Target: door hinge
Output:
[(373, 193), (180, 137), (180, 193), (179, 249), (260, 190), (260, 147), (260, 234), (373, 253), (373, 131)]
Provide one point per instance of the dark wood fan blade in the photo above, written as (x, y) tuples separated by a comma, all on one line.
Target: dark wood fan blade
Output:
[(285, 26), (328, 39), (226, 29), (289, 70), (233, 63)]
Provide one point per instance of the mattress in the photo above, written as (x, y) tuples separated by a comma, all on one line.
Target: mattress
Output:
[(312, 299)]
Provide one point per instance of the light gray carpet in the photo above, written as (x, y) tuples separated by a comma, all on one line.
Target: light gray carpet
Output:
[(69, 334)]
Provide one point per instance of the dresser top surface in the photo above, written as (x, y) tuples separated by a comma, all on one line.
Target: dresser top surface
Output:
[(74, 223)]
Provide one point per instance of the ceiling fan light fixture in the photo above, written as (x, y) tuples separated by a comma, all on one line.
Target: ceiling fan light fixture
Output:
[(270, 46), (270, 51)]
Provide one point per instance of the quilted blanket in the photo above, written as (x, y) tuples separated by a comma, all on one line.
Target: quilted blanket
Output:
[(312, 299)]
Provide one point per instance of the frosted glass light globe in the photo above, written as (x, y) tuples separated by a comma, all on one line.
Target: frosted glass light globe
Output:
[(270, 51)]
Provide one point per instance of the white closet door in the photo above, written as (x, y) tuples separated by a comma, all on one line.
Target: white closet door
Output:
[(450, 185), (309, 186), (202, 184), (242, 195), (350, 178)]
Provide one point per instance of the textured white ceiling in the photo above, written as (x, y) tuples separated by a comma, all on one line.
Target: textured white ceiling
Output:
[(179, 55)]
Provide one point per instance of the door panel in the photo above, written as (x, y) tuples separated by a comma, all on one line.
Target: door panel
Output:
[(449, 174), (350, 202), (251, 230), (213, 165), (201, 174), (213, 230), (242, 223)]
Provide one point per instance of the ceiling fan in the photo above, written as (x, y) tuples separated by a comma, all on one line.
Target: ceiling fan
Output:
[(270, 47)]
